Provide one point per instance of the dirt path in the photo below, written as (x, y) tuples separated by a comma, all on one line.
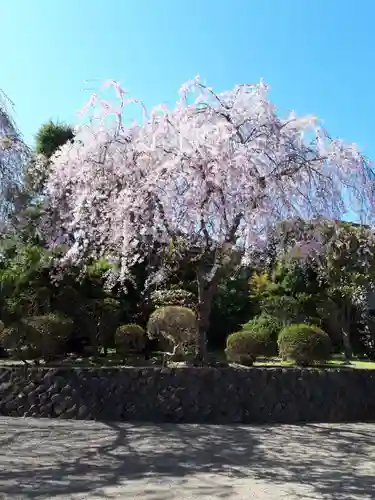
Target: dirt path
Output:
[(51, 459)]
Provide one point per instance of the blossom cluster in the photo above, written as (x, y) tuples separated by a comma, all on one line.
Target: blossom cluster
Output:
[(217, 170)]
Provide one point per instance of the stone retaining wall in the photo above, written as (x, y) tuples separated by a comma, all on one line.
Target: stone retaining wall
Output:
[(200, 395)]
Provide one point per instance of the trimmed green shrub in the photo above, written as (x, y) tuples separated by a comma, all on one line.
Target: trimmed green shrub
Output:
[(268, 326), (304, 344), (264, 322), (176, 324), (130, 339), (245, 346)]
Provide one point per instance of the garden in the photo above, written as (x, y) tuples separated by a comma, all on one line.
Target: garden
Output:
[(209, 234)]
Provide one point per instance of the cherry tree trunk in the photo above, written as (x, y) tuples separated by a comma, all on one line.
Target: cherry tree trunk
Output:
[(206, 294), (345, 332), (346, 341)]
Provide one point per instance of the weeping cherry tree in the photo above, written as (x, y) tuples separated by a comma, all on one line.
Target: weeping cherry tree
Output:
[(206, 180)]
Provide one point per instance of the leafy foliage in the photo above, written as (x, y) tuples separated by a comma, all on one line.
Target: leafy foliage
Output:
[(108, 320), (15, 341), (304, 344), (130, 339), (245, 346), (345, 278), (289, 293), (100, 317), (173, 297), (176, 324), (28, 287), (231, 307), (24, 274), (51, 136), (49, 334), (267, 325), (43, 336)]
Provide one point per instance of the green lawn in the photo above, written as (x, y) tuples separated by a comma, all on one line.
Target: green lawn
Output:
[(355, 363), (337, 361)]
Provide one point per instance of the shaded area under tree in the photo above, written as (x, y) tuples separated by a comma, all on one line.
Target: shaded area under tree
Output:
[(43, 459)]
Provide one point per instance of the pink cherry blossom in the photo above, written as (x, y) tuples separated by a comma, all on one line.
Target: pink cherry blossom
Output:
[(215, 174)]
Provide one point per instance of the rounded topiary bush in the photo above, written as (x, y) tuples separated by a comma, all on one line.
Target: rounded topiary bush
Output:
[(176, 324), (304, 344), (245, 346), (266, 325), (130, 339)]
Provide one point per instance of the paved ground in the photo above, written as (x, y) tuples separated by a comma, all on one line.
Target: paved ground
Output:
[(51, 459)]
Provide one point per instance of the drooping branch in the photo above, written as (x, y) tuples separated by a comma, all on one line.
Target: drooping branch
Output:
[(13, 157), (208, 177)]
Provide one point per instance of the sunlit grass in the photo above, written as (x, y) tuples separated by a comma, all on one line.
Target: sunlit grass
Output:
[(354, 363), (336, 361)]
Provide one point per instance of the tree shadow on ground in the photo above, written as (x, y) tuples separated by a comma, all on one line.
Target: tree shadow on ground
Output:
[(46, 459), (334, 462)]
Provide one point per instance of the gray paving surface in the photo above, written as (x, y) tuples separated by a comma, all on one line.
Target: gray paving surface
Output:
[(51, 459)]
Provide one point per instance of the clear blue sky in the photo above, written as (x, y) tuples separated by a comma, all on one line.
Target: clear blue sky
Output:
[(318, 56)]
